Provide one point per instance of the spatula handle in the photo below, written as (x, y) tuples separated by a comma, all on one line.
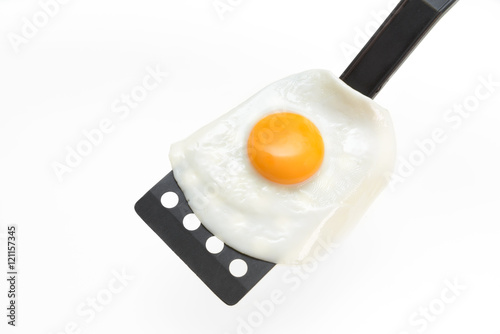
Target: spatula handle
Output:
[(393, 42)]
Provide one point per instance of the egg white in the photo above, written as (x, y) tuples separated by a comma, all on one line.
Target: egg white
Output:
[(282, 223)]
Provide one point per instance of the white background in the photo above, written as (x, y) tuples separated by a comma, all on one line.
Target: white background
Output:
[(440, 224)]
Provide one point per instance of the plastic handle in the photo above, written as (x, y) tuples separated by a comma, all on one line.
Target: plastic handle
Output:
[(393, 42)]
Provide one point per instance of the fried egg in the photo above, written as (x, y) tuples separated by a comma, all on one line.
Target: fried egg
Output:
[(297, 163)]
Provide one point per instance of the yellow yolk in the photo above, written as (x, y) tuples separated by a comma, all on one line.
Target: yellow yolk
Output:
[(286, 148)]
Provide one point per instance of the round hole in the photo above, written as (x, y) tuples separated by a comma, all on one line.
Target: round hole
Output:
[(191, 222), (238, 268), (214, 245), (169, 200)]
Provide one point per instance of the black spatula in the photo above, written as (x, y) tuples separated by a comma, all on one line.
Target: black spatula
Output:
[(401, 32)]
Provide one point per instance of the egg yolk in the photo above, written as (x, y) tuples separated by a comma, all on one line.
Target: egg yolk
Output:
[(286, 148)]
